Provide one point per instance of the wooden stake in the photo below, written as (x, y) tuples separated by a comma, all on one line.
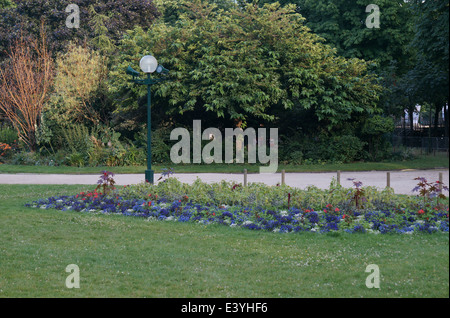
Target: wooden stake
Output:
[(388, 180)]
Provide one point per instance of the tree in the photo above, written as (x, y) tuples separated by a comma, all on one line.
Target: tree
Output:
[(432, 31), (241, 64), (429, 79), (6, 4), (98, 18), (25, 82), (171, 10), (342, 23)]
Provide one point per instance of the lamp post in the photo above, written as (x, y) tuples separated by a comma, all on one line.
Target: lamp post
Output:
[(148, 65)]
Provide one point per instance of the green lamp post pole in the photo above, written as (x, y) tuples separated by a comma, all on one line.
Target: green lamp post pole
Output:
[(148, 65), (149, 174)]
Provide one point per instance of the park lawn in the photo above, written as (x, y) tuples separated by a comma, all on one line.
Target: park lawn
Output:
[(440, 160), (121, 256)]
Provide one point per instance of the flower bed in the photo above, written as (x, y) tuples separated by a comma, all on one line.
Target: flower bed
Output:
[(360, 210)]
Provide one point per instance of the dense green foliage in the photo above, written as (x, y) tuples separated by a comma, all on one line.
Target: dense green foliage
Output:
[(102, 22), (6, 4), (310, 68), (410, 47), (342, 24), (428, 80), (242, 64)]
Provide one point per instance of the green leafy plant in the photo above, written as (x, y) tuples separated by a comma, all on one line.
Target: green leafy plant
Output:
[(8, 135), (75, 159)]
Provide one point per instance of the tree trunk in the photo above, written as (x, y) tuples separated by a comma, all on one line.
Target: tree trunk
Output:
[(437, 111), (446, 121), (411, 118)]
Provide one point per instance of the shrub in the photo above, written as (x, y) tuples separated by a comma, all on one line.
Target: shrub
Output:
[(76, 139), (402, 154), (346, 148), (79, 76), (160, 143), (99, 146), (306, 150), (75, 159), (295, 158), (134, 156), (8, 135), (375, 130), (25, 84), (23, 158)]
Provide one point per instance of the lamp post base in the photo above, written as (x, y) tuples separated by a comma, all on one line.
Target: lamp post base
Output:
[(149, 176)]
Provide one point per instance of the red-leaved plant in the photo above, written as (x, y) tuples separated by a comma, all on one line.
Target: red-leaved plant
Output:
[(430, 190), (106, 181)]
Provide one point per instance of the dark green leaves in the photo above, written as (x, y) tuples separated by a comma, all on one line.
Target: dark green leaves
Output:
[(241, 63)]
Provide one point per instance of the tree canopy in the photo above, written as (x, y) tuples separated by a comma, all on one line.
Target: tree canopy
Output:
[(312, 68), (241, 63), (99, 19), (342, 23)]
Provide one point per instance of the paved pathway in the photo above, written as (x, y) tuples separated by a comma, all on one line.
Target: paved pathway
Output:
[(401, 181)]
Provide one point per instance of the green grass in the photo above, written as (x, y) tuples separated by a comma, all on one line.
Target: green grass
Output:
[(440, 160), (122, 256)]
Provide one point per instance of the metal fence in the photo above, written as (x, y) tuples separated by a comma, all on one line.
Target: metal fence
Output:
[(425, 144)]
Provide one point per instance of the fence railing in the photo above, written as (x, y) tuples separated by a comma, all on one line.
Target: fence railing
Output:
[(425, 144)]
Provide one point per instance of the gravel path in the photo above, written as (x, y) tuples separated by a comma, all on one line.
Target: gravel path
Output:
[(401, 181)]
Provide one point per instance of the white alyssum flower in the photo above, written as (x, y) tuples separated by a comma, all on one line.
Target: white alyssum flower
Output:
[(247, 222), (283, 213)]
